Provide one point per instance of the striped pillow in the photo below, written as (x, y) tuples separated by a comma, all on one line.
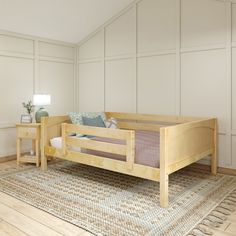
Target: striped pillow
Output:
[(111, 123)]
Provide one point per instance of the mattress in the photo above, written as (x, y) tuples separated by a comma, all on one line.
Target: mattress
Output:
[(147, 148)]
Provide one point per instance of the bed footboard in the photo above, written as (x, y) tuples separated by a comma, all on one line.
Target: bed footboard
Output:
[(184, 144), (50, 128)]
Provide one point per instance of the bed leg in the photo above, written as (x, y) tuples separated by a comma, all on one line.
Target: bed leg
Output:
[(214, 164), (44, 162), (164, 184)]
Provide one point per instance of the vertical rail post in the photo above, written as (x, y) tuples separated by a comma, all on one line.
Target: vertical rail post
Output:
[(130, 149), (164, 177)]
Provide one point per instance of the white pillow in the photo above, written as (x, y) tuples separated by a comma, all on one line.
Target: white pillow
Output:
[(111, 123), (56, 142)]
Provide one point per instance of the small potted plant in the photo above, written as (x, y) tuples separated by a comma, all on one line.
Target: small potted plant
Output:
[(29, 108)]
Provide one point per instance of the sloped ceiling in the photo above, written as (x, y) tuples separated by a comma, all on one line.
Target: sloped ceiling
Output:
[(65, 20)]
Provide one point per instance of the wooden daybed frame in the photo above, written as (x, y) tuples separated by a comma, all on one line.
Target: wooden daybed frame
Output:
[(184, 142)]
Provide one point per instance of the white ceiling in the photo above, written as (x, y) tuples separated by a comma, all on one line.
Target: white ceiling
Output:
[(66, 20)]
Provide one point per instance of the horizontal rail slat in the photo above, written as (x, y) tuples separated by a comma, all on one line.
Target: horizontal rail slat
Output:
[(185, 162), (151, 117), (106, 163), (179, 129), (54, 120), (139, 126), (96, 131), (96, 145)]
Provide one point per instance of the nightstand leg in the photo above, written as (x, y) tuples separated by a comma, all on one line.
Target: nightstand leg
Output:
[(18, 150), (37, 152), (34, 146), (44, 161)]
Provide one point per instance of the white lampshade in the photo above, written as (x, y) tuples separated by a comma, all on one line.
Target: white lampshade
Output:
[(41, 99)]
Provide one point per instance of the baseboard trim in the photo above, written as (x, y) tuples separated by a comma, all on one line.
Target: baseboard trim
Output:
[(220, 170), (7, 158)]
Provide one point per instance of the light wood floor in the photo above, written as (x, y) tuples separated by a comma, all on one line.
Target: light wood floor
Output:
[(20, 219)]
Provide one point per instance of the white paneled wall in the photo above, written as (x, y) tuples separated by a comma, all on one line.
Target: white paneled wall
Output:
[(120, 85), (203, 87), (29, 65), (120, 35), (15, 44), (93, 48), (156, 84), (156, 25), (203, 22), (57, 79), (234, 90), (91, 91), (166, 57)]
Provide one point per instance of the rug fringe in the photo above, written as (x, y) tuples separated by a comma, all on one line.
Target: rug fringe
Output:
[(216, 217), (201, 231), (209, 223)]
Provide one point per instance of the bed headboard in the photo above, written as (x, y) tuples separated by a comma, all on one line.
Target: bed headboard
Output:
[(51, 127)]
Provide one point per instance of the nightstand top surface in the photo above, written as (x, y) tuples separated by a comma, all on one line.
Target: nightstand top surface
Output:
[(33, 125)]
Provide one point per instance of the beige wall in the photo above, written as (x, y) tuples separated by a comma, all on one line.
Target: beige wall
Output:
[(165, 57), (32, 65)]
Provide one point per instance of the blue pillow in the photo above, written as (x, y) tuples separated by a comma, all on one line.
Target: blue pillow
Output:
[(77, 118), (96, 121)]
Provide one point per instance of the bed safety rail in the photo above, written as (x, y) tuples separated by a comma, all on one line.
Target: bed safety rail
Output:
[(127, 149)]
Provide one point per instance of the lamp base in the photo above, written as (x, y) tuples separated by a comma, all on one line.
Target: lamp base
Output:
[(40, 113)]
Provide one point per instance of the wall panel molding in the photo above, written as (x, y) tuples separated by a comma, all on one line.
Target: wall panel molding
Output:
[(229, 157), (219, 18), (20, 64), (16, 55), (54, 59), (30, 37), (178, 59), (7, 126)]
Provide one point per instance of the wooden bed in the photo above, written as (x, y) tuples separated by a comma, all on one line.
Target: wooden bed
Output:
[(183, 141)]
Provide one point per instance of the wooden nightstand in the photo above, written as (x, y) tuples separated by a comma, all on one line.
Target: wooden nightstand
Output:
[(29, 131)]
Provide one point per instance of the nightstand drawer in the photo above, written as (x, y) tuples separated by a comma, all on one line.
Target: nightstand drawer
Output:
[(28, 131), (23, 132)]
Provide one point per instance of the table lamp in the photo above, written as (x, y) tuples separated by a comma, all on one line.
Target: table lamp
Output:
[(41, 100)]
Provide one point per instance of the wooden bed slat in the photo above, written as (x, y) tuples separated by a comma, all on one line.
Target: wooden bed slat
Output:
[(130, 150), (139, 126), (152, 117), (141, 171), (96, 131), (96, 145), (188, 161)]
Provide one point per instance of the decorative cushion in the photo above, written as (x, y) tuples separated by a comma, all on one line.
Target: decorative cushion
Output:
[(96, 121), (111, 123), (77, 118)]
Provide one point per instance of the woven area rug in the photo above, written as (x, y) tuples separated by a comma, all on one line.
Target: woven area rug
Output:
[(113, 204)]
